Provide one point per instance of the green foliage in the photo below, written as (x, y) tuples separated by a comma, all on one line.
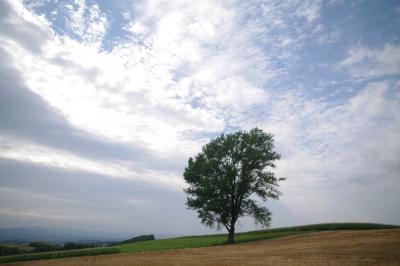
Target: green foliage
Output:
[(60, 254), (6, 251), (72, 245), (226, 173), (44, 247), (135, 239)]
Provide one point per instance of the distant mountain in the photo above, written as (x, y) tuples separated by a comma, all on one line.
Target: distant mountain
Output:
[(57, 235)]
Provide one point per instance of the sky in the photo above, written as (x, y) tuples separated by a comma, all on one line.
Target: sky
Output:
[(102, 102)]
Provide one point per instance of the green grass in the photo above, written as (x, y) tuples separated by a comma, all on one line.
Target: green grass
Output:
[(199, 241), (196, 241), (60, 254), (219, 239)]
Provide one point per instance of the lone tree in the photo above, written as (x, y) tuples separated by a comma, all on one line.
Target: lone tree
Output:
[(223, 177)]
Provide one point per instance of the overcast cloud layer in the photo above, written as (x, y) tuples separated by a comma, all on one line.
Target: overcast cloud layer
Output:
[(102, 103)]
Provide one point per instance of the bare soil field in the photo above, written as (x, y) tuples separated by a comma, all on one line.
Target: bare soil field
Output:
[(369, 247)]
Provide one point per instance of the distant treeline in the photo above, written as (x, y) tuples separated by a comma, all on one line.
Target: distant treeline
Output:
[(38, 247), (134, 239), (44, 247), (5, 250)]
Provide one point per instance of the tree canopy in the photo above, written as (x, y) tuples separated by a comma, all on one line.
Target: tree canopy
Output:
[(224, 177)]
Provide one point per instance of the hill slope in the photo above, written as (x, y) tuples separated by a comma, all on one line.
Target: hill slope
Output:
[(219, 239), (203, 241), (351, 247)]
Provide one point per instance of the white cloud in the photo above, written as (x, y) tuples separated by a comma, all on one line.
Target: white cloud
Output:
[(150, 93), (198, 68), (192, 69), (351, 148), (19, 150), (363, 62), (330, 37), (310, 10), (30, 214), (22, 28), (9, 192), (87, 22)]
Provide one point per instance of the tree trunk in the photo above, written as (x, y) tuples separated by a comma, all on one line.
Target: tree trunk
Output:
[(231, 236)]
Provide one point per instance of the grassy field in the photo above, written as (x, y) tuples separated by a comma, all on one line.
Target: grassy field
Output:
[(60, 254), (219, 239), (334, 248), (199, 241)]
